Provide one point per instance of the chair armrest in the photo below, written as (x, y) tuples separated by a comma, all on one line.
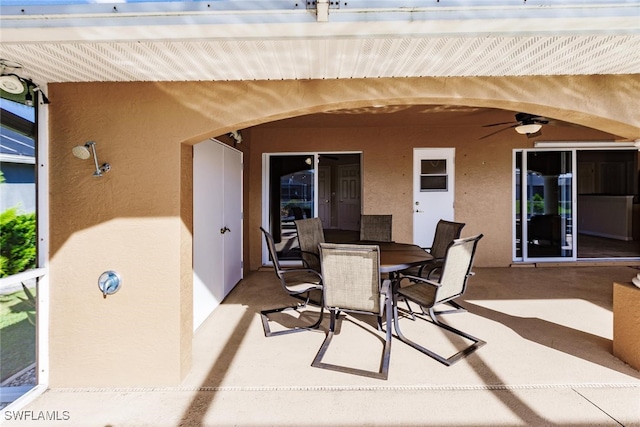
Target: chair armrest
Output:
[(418, 279), (301, 270), (385, 288)]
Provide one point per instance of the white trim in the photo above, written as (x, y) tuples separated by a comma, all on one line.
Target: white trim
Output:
[(232, 19), (514, 225), (24, 276), (42, 188), (591, 144), (14, 158)]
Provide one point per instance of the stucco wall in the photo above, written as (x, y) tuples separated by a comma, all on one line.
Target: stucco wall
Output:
[(483, 175), (135, 219)]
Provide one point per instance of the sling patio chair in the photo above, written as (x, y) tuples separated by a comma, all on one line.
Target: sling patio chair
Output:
[(446, 232), (351, 280), (429, 293), (310, 235), (296, 282), (375, 228)]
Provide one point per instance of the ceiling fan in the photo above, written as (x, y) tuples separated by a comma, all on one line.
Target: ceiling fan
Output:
[(525, 124)]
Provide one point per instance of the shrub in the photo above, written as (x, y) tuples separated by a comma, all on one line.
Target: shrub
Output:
[(17, 242)]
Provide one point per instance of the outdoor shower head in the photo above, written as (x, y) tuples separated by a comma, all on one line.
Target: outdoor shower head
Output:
[(83, 152)]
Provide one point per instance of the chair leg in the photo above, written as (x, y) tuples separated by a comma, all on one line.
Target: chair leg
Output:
[(448, 361), (457, 308), (413, 316), (264, 314), (383, 373)]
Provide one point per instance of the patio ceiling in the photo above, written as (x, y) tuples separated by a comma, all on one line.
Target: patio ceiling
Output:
[(253, 40)]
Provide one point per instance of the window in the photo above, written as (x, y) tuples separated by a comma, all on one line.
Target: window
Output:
[(433, 175)]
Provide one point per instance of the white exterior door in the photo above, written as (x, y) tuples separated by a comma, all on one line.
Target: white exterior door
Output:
[(433, 191), (232, 223), (217, 225)]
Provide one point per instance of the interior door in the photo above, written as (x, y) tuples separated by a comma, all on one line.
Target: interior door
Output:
[(349, 197), (324, 195), (433, 191)]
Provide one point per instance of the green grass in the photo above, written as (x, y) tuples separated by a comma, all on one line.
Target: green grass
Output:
[(17, 333)]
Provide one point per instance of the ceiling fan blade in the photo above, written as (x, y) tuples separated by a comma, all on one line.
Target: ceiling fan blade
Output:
[(498, 124), (498, 131), (562, 124)]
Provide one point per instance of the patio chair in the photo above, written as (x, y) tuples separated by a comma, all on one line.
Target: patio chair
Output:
[(297, 282), (375, 228), (428, 294), (310, 235), (446, 233), (351, 280)]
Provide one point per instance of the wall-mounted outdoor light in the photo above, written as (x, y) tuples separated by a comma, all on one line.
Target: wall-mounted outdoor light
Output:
[(20, 89), (236, 136), (85, 151), (109, 283)]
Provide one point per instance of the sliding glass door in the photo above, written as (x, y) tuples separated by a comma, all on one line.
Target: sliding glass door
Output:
[(291, 196), (544, 205)]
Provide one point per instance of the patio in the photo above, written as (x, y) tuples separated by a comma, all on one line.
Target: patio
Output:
[(548, 361)]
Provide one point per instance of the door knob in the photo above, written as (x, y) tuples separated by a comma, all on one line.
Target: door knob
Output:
[(224, 229)]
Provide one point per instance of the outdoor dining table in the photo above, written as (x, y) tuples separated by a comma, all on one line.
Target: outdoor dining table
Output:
[(395, 257)]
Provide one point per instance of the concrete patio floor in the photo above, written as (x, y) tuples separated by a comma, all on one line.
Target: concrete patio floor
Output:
[(548, 361)]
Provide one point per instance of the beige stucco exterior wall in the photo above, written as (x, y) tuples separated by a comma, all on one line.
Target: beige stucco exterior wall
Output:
[(136, 219), (483, 175)]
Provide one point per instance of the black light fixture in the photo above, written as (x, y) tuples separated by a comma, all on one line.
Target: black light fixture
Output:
[(236, 136), (28, 99), (15, 85)]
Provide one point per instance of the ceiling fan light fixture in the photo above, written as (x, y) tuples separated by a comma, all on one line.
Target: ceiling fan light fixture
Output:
[(527, 128)]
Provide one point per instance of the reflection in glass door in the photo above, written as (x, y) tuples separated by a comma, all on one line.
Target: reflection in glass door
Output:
[(544, 205), (291, 197)]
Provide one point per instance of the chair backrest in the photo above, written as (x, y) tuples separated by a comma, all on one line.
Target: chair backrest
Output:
[(271, 246), (446, 233), (457, 268), (298, 213), (376, 228), (351, 277), (310, 235)]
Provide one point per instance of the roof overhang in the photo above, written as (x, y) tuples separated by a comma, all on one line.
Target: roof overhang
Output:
[(281, 40)]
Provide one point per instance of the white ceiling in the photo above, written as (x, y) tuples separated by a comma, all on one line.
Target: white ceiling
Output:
[(259, 40)]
